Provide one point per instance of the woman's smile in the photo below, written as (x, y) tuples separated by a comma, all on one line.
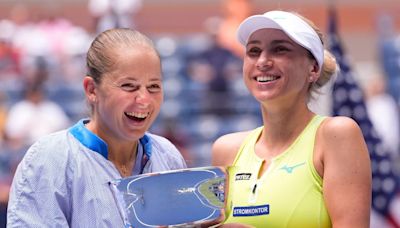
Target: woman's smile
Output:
[(266, 78), (137, 117)]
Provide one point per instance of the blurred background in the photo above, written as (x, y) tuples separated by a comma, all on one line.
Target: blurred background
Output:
[(43, 44)]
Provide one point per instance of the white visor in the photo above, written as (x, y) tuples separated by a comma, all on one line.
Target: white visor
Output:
[(295, 27)]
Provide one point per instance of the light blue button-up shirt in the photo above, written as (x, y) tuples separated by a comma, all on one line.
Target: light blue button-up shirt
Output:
[(63, 180)]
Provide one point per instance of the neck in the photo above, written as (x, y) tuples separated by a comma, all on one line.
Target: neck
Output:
[(122, 154), (123, 157), (118, 150), (281, 128)]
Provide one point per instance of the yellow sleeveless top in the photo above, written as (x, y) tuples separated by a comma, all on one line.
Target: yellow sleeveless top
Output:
[(288, 194)]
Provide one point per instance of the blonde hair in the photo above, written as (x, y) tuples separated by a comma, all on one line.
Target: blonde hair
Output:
[(330, 68)]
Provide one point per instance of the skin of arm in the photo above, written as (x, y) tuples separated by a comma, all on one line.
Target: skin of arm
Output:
[(224, 151), (225, 148), (346, 170)]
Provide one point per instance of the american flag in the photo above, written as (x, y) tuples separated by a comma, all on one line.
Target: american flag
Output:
[(348, 100)]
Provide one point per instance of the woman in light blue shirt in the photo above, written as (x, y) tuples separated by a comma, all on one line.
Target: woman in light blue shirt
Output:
[(63, 180)]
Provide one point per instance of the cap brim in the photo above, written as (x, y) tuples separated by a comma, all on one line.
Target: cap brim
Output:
[(252, 24), (293, 26)]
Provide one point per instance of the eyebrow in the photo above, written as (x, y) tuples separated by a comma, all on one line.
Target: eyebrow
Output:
[(274, 42), (253, 42), (135, 79), (156, 80)]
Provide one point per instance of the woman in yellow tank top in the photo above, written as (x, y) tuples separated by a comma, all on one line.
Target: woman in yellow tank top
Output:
[(299, 169)]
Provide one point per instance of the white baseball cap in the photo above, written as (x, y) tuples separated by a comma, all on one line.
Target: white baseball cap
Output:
[(295, 27)]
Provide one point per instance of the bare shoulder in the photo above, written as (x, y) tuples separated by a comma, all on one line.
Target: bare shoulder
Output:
[(339, 127), (346, 171), (225, 148), (341, 139)]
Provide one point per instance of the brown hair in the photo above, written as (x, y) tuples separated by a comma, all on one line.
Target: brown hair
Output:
[(100, 57)]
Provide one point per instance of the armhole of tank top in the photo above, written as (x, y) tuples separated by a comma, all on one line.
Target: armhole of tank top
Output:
[(317, 178), (245, 142)]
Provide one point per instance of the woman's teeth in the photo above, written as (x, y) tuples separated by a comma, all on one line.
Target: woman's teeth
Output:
[(266, 78), (137, 114)]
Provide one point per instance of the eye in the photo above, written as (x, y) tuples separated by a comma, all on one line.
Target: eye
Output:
[(253, 51), (130, 87), (280, 49), (154, 88)]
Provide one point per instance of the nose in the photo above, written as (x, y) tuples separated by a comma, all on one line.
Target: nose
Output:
[(142, 97), (264, 61)]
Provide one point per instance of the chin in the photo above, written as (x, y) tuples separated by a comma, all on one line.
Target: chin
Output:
[(134, 135)]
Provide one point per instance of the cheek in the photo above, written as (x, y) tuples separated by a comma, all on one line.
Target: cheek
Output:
[(158, 100), (247, 71), (300, 78), (114, 101), (111, 105), (247, 66)]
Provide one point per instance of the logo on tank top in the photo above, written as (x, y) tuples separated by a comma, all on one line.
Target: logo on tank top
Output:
[(289, 169), (242, 176), (251, 211)]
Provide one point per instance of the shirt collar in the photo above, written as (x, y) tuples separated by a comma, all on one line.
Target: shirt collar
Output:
[(96, 144)]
